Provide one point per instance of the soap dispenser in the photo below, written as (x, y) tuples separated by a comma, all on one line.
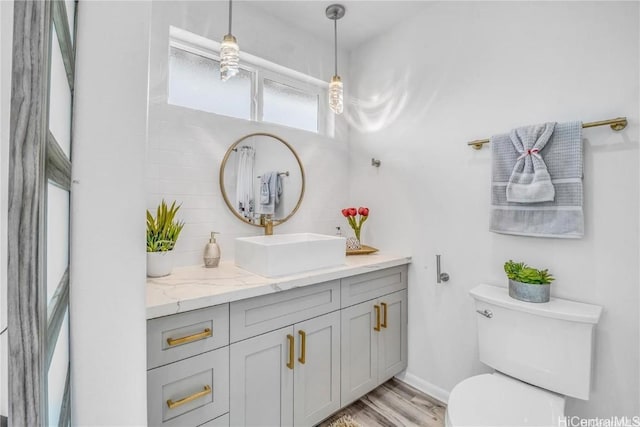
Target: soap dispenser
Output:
[(212, 252)]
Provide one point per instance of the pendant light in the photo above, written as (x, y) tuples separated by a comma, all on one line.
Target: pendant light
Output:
[(335, 12), (229, 54)]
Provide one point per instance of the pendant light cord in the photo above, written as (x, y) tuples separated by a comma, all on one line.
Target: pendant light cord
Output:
[(335, 38), (230, 13)]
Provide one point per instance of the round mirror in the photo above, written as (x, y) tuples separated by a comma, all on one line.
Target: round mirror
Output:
[(261, 176)]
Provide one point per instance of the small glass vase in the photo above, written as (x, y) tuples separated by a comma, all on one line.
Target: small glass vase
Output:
[(353, 243)]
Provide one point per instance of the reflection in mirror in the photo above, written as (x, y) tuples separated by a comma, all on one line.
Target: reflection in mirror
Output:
[(262, 176)]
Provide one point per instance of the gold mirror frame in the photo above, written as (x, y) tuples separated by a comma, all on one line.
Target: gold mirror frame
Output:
[(224, 191)]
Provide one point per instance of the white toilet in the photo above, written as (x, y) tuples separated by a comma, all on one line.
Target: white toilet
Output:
[(541, 353)]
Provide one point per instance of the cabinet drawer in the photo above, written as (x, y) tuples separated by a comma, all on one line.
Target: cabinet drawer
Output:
[(262, 314), (222, 421), (372, 285), (189, 392), (182, 335)]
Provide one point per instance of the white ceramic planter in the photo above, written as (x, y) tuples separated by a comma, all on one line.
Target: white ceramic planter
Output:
[(159, 263)]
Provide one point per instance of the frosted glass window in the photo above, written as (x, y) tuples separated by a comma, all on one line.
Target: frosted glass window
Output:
[(59, 99), (57, 375), (194, 82), (57, 236), (290, 106)]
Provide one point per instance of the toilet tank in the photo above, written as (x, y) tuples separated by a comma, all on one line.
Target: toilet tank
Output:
[(549, 345)]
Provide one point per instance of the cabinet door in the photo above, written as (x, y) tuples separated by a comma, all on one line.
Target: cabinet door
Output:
[(261, 384), (359, 351), (317, 372), (392, 346)]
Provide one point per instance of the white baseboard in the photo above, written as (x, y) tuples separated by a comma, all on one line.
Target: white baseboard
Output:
[(424, 386)]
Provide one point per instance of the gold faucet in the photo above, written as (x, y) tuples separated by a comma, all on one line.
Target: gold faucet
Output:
[(267, 223)]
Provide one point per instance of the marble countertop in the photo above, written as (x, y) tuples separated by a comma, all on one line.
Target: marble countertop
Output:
[(190, 288)]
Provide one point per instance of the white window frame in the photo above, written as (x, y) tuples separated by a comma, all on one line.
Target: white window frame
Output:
[(260, 70)]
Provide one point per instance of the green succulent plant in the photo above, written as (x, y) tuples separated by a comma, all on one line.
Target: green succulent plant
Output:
[(521, 272), (163, 230)]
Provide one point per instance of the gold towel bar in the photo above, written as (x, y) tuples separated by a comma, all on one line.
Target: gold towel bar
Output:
[(616, 124)]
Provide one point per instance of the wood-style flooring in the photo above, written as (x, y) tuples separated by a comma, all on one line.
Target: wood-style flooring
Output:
[(394, 404)]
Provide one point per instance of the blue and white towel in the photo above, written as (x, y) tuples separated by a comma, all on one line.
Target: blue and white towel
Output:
[(561, 217), (270, 192)]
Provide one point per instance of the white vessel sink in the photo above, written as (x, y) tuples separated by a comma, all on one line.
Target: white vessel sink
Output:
[(284, 254)]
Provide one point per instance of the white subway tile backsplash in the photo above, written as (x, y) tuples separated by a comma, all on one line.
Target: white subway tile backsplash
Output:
[(166, 188), (179, 173)]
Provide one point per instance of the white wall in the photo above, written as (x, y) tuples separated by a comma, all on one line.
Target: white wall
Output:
[(462, 71), (6, 42), (186, 146), (107, 295)]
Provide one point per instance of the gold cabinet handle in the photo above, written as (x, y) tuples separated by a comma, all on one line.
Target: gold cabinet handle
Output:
[(291, 351), (171, 404), (377, 309), (189, 338), (384, 314), (303, 346)]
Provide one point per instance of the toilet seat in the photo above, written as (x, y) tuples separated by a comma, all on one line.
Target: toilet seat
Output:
[(499, 400)]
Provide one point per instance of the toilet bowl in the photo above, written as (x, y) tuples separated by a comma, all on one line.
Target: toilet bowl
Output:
[(498, 400), (540, 352)]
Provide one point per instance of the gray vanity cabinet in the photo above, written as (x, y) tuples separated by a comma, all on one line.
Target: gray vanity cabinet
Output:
[(189, 392), (182, 335), (289, 358), (373, 344), (188, 367), (317, 375), (392, 338), (359, 352), (290, 376), (372, 353), (261, 386)]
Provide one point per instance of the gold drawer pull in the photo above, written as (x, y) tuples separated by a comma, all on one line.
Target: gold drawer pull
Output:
[(384, 314), (291, 351), (303, 346), (377, 309), (189, 338), (171, 404)]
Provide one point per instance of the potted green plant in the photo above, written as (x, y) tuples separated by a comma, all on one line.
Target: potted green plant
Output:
[(528, 283), (162, 234)]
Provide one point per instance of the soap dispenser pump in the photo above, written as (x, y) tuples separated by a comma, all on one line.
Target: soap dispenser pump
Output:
[(212, 252)]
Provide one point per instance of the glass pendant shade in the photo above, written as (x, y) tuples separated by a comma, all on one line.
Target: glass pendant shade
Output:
[(229, 57), (335, 12), (336, 95)]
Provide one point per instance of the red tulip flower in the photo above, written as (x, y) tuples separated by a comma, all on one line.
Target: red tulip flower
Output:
[(356, 223)]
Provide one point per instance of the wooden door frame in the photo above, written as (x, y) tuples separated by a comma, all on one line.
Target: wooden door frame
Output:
[(35, 158), (26, 300)]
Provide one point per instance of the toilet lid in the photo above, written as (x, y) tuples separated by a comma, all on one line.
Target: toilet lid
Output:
[(498, 400)]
